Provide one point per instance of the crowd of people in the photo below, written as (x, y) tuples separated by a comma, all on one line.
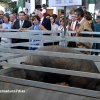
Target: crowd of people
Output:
[(77, 20)]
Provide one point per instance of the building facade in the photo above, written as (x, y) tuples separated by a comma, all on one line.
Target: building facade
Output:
[(30, 4)]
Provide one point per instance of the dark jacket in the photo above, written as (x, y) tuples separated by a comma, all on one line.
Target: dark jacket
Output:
[(26, 24), (46, 23)]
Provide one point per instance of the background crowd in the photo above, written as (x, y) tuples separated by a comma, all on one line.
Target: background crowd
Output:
[(77, 20)]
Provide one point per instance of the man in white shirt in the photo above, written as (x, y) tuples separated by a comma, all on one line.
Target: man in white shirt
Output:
[(73, 24)]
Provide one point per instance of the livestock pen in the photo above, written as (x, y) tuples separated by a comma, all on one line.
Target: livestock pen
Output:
[(13, 78)]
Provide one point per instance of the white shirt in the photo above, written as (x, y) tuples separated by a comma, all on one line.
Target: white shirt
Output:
[(43, 11), (41, 20), (21, 23), (70, 16), (54, 27)]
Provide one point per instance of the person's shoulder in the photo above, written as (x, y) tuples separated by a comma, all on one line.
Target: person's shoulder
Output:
[(27, 21), (17, 20), (85, 20), (46, 19)]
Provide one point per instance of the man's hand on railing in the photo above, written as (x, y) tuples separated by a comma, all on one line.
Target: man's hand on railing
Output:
[(20, 29)]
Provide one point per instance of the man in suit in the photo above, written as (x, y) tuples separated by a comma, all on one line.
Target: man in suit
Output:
[(72, 27), (21, 23), (83, 25), (45, 22)]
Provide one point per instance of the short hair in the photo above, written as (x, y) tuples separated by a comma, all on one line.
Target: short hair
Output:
[(26, 9), (62, 11), (79, 11), (54, 16), (84, 7), (22, 12), (7, 15), (38, 7), (14, 12), (43, 5), (33, 13), (36, 17)]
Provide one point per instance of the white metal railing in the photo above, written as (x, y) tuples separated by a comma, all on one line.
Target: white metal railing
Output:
[(30, 35)]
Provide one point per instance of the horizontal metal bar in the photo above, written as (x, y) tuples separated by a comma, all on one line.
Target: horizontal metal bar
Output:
[(32, 31), (51, 54), (3, 71), (82, 49), (27, 44), (83, 32), (49, 32), (10, 57), (53, 87), (20, 35), (11, 30), (53, 70), (43, 32), (83, 39)]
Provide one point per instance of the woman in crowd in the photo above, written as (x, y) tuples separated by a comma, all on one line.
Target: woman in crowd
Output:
[(61, 27), (35, 26), (88, 16), (54, 27), (6, 25)]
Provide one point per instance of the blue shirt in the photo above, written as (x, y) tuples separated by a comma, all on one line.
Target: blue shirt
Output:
[(34, 27)]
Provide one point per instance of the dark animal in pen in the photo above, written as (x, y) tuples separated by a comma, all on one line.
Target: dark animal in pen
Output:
[(62, 63)]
